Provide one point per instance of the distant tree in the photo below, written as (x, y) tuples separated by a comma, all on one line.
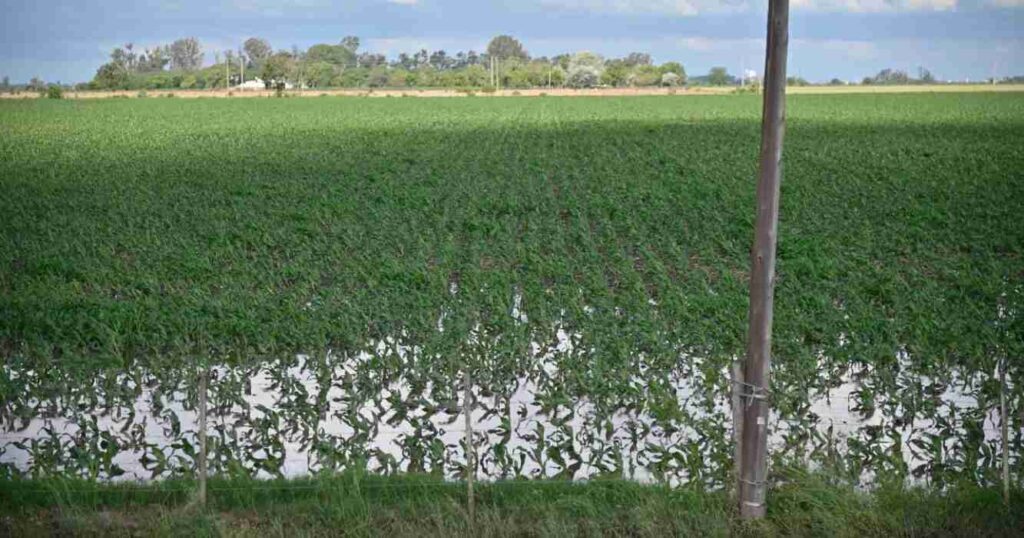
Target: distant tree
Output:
[(333, 54), (276, 68), (616, 73), (36, 84), (351, 43), (585, 70), (319, 74), (6, 84), (644, 75), (506, 47), (257, 49), (925, 76), (54, 91), (154, 60), (476, 75), (562, 60), (421, 59), (439, 60), (676, 68), (118, 56), (378, 77), (131, 57), (891, 76), (111, 76), (670, 79), (371, 60), (835, 82), (796, 81), (718, 76), (637, 58), (186, 54)]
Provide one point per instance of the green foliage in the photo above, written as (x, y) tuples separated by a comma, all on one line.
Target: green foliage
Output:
[(54, 91), (151, 234), (800, 504), (718, 76), (336, 55), (506, 48), (111, 76), (276, 67)]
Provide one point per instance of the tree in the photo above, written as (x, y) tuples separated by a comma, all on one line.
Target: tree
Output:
[(645, 75), (675, 68), (891, 76), (925, 76), (351, 43), (332, 54), (6, 84), (257, 49), (319, 74), (616, 73), (718, 76), (276, 68), (111, 76), (476, 75), (36, 84), (585, 70), (371, 60), (637, 58), (670, 79), (154, 60), (378, 77), (186, 54), (439, 60), (506, 47), (835, 82)]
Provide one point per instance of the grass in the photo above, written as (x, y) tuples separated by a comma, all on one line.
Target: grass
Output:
[(151, 235), (359, 505)]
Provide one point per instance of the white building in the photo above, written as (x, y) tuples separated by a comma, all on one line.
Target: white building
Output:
[(258, 84)]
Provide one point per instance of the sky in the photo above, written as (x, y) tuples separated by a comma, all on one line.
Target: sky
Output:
[(66, 40)]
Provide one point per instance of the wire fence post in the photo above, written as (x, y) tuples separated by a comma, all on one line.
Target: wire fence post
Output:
[(467, 408), (203, 375), (754, 468), (737, 427)]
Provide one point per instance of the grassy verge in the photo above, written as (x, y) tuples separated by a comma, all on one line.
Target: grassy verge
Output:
[(801, 504)]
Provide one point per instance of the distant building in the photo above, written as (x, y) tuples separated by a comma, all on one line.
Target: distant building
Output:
[(258, 84)]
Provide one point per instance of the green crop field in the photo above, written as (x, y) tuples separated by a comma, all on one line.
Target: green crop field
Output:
[(597, 247)]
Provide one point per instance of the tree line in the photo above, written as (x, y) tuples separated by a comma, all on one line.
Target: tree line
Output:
[(504, 64)]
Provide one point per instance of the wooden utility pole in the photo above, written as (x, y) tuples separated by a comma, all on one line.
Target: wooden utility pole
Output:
[(754, 468)]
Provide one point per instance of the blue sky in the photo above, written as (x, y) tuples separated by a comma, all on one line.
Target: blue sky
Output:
[(67, 40)]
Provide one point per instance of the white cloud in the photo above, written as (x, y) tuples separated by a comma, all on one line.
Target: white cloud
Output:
[(874, 6), (669, 7), (1007, 3), (847, 49), (403, 2), (392, 46), (696, 7)]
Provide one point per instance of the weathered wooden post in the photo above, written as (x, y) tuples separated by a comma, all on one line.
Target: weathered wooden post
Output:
[(754, 468), (737, 427)]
